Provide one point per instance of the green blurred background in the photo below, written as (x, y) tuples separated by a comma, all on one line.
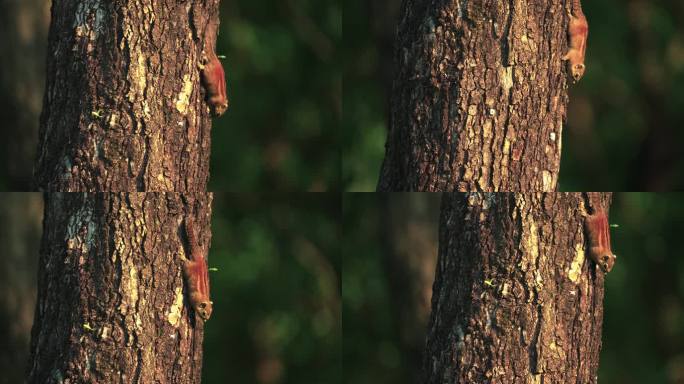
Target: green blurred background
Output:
[(624, 129), (284, 75), (643, 330), (277, 290), (284, 79)]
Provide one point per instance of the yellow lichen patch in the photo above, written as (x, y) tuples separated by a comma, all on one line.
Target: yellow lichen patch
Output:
[(487, 130), (547, 181), (538, 280), (181, 253), (104, 333), (468, 175), (576, 265), (484, 177), (506, 76), (113, 119), (137, 75), (141, 72), (80, 31), (176, 308), (184, 96), (530, 242), (129, 282), (535, 378), (504, 289), (119, 249), (146, 108), (133, 284), (548, 149)]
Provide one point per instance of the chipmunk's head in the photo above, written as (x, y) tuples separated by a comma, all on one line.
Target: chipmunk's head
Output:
[(218, 107), (203, 309), (606, 262), (577, 71)]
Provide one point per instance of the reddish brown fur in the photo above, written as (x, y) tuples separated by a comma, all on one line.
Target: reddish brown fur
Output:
[(213, 76), (196, 274), (598, 234), (578, 31), (214, 81)]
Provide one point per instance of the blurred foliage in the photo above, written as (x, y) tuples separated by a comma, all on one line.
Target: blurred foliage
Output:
[(277, 290), (624, 119), (643, 330), (367, 76), (372, 352), (284, 86)]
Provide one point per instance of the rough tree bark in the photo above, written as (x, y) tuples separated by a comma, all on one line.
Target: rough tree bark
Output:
[(515, 298), (111, 296), (479, 97), (123, 107)]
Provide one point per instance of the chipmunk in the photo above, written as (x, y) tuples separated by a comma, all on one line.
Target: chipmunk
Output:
[(578, 30), (598, 235), (196, 273), (213, 76)]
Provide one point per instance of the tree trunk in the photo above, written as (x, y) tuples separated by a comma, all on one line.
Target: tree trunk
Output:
[(123, 107), (111, 306), (479, 97), (20, 215), (23, 27), (515, 298)]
